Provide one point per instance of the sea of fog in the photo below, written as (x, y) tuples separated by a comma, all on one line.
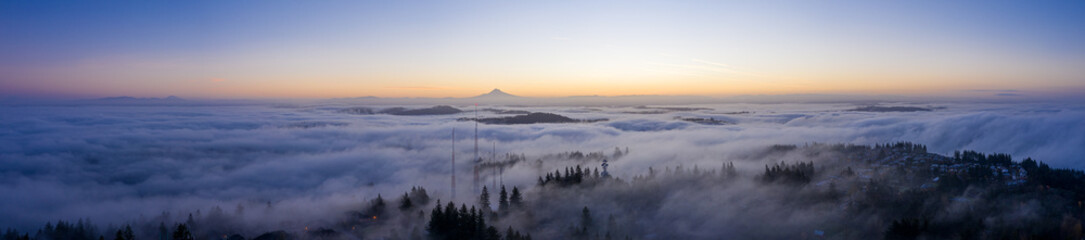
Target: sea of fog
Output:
[(118, 163)]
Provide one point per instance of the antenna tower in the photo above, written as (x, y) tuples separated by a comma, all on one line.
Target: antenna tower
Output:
[(453, 164)]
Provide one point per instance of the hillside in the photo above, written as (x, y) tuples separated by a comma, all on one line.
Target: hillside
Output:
[(531, 118)]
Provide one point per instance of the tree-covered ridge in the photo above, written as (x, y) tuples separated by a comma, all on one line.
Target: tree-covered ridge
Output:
[(829, 191), (891, 190), (531, 118), (570, 176), (799, 173)]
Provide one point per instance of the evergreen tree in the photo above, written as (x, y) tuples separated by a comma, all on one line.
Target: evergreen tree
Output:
[(182, 233), (405, 203), (473, 223), (491, 234), (731, 170), (484, 199), (461, 223), (376, 208), (128, 234), (436, 217), (578, 174), (503, 201), (190, 222), (516, 200), (585, 219), (419, 196)]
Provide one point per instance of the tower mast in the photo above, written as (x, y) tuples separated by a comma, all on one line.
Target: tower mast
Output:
[(476, 132), (453, 164), (476, 160), (493, 159)]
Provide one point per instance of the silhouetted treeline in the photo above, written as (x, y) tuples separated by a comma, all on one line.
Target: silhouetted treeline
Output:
[(725, 172), (79, 230), (799, 173), (906, 229), (463, 223), (435, 110), (976, 157), (505, 201), (906, 146), (84, 230), (1059, 178), (577, 155), (571, 176)]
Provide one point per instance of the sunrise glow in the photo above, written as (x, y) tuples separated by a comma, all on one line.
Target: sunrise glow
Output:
[(283, 49)]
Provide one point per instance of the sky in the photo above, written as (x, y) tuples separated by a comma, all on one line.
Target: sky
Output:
[(334, 49)]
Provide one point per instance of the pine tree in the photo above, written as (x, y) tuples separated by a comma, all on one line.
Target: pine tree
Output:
[(503, 201), (472, 223), (461, 222), (377, 207), (405, 203), (128, 234), (436, 217), (585, 218), (492, 234), (484, 199), (516, 199), (419, 196), (579, 174), (182, 233), (190, 222)]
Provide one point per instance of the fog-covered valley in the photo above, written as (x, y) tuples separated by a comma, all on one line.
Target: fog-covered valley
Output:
[(256, 167)]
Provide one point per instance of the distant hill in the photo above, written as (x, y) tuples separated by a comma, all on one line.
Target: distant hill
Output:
[(531, 118), (504, 111), (705, 121), (135, 99), (436, 110), (890, 109), (357, 111)]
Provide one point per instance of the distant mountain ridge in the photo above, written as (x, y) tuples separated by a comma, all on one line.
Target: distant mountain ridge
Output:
[(500, 97), (127, 98)]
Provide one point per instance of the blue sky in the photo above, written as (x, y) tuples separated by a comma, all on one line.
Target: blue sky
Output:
[(298, 49)]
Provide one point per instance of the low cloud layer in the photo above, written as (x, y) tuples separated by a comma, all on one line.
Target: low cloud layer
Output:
[(119, 163)]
